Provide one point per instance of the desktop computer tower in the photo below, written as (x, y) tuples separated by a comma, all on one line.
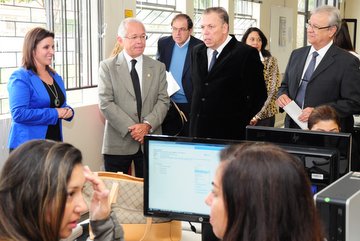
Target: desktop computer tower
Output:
[(339, 208)]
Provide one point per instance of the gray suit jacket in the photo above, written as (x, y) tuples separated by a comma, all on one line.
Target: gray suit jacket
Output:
[(118, 103)]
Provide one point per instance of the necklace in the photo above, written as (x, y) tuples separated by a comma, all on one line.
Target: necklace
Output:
[(55, 93)]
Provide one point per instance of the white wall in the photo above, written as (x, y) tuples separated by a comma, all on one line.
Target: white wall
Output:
[(114, 13), (4, 133), (85, 132)]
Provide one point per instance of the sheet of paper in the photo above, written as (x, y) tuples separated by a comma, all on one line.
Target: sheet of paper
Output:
[(293, 110), (172, 84)]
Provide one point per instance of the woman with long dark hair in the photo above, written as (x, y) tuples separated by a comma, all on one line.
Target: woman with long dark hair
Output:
[(262, 193), (257, 39), (37, 93), (41, 195)]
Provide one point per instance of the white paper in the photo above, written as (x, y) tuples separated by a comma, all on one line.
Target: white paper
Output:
[(293, 110), (172, 84)]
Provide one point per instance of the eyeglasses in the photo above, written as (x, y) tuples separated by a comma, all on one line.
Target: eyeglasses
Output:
[(179, 29), (141, 37), (316, 28)]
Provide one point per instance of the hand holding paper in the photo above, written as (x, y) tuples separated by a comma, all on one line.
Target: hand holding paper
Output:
[(172, 84), (294, 111)]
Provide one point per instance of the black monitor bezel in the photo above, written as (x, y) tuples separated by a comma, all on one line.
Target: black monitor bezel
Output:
[(299, 137)]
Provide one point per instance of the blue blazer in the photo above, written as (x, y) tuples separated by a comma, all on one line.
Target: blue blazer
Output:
[(30, 107)]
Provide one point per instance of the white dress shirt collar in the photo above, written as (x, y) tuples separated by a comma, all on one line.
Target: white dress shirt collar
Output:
[(139, 62), (219, 49), (138, 66), (321, 51)]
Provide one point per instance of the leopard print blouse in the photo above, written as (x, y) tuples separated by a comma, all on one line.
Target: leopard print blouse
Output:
[(272, 80)]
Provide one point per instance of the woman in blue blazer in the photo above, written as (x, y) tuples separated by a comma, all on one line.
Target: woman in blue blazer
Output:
[(37, 93)]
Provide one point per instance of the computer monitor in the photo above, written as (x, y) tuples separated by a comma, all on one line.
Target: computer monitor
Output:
[(178, 175), (320, 163), (323, 170)]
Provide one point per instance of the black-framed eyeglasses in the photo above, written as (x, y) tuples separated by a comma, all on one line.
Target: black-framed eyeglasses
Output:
[(314, 27), (141, 37)]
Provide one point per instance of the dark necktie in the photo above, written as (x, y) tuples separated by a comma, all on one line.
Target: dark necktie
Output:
[(213, 60), (136, 83), (304, 82)]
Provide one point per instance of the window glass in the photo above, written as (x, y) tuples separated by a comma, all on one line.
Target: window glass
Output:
[(301, 5), (77, 42), (157, 20), (245, 16), (301, 31), (304, 9)]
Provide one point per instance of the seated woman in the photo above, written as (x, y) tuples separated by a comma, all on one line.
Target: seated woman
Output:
[(261, 192), (41, 195), (324, 118)]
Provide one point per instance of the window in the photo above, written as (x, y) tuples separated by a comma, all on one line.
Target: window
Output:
[(77, 42), (244, 17), (156, 16), (199, 7), (304, 8)]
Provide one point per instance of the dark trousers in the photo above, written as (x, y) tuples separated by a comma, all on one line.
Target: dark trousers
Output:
[(122, 163), (172, 124), (207, 233)]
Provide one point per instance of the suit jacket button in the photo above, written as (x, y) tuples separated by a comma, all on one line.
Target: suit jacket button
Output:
[(203, 99), (206, 84)]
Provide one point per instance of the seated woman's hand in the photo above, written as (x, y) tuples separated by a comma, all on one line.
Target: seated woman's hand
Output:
[(99, 205)]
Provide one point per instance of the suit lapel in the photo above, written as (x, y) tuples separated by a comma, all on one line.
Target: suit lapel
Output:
[(302, 61), (37, 83), (122, 70), (224, 56), (202, 61), (168, 54), (187, 58), (147, 77), (325, 62)]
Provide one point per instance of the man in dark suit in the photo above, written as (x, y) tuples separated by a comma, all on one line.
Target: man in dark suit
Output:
[(335, 80), (228, 82), (174, 51), (228, 91)]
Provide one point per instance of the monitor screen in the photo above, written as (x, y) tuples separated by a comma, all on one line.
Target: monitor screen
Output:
[(178, 175), (326, 171)]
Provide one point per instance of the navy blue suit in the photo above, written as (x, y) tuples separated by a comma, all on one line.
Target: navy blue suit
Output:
[(164, 54), (172, 123)]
